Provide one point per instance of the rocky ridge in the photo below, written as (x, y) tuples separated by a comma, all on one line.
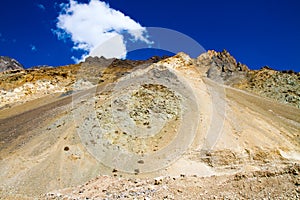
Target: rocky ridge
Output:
[(222, 67), (281, 86), (7, 63), (21, 85)]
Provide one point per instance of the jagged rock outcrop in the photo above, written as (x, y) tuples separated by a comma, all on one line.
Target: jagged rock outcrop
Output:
[(283, 87), (222, 67), (7, 63)]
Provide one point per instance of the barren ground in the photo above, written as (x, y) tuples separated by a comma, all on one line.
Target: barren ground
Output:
[(244, 146)]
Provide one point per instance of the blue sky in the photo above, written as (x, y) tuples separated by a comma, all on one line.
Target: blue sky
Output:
[(256, 33)]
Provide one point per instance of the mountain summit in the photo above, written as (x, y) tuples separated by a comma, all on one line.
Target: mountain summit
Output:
[(7, 63)]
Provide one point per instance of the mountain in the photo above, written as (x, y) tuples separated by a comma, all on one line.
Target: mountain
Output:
[(163, 128), (283, 87), (7, 63)]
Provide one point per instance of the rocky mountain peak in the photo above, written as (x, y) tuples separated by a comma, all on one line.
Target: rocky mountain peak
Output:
[(283, 86), (7, 63), (222, 67)]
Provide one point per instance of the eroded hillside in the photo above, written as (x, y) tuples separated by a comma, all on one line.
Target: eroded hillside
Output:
[(163, 128), (283, 86)]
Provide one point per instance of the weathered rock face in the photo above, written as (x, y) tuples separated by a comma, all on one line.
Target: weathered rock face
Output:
[(222, 67), (280, 86), (21, 85), (283, 87), (7, 63)]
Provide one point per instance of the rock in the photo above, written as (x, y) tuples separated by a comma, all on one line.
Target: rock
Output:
[(97, 60), (7, 63), (280, 86), (222, 67)]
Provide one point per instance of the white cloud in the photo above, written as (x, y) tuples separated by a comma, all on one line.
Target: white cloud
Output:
[(97, 29), (41, 6), (110, 48)]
